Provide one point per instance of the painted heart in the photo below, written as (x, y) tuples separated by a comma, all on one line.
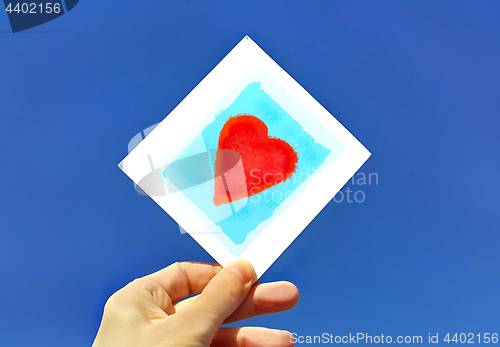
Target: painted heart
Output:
[(267, 161)]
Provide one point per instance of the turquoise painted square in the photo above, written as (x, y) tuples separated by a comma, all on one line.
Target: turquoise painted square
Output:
[(239, 219)]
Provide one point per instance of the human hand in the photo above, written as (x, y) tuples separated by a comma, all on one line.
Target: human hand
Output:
[(147, 312)]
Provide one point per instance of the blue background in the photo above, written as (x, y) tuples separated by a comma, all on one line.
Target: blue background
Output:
[(417, 82)]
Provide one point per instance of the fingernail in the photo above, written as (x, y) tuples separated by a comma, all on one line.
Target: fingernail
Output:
[(243, 268)]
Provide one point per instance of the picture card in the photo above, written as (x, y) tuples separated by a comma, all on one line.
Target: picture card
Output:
[(247, 160)]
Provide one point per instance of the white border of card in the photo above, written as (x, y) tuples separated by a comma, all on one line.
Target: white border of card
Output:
[(178, 128)]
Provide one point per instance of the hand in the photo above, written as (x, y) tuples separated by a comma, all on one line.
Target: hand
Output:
[(147, 312)]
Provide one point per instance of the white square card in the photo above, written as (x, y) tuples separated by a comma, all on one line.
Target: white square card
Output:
[(247, 160)]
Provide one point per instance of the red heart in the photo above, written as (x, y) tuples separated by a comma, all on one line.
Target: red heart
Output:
[(267, 161)]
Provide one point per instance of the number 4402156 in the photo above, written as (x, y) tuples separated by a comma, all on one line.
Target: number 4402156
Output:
[(34, 8), (470, 337)]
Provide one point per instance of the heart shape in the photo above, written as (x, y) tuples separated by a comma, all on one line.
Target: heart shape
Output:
[(267, 161)]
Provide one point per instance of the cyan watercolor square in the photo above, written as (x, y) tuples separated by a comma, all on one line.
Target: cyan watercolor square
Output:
[(264, 206)]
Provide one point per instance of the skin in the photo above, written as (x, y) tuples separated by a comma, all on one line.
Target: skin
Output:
[(150, 311)]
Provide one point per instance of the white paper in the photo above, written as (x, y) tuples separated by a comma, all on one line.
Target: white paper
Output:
[(177, 163)]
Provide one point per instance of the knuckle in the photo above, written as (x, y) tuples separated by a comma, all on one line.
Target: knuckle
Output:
[(112, 301)]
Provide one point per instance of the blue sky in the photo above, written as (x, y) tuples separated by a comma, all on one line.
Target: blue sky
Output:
[(416, 82)]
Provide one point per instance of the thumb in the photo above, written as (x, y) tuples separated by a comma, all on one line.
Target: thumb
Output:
[(222, 295)]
